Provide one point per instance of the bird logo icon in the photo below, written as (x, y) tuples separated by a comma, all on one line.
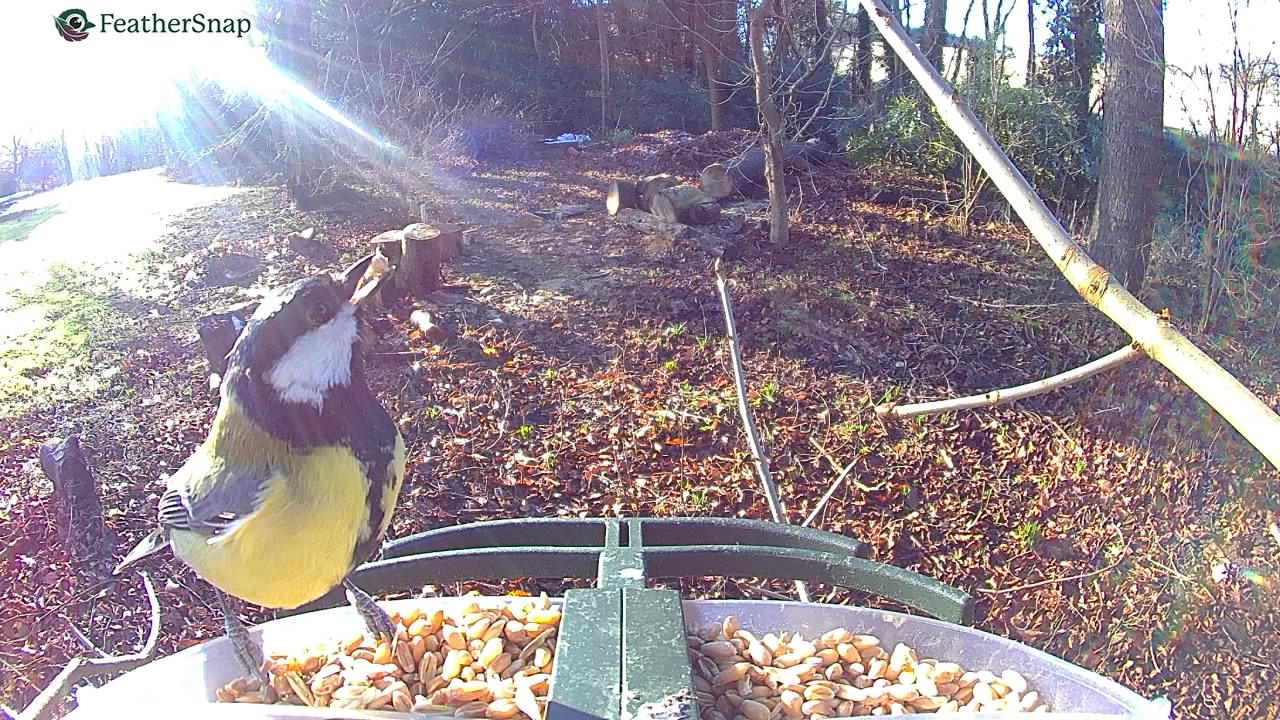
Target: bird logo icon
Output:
[(73, 25)]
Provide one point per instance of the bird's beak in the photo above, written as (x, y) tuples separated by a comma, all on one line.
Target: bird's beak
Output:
[(364, 277)]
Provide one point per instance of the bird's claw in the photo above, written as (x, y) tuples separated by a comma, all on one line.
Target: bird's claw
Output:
[(375, 618), (247, 652)]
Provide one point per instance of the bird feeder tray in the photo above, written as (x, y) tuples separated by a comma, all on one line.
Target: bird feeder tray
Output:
[(621, 652)]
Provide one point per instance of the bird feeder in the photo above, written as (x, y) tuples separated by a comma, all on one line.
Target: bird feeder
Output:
[(622, 651)]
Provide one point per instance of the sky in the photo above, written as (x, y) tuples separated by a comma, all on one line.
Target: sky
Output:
[(1196, 32), (108, 81)]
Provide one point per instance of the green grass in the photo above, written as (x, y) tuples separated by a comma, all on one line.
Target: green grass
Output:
[(17, 226), (82, 323)]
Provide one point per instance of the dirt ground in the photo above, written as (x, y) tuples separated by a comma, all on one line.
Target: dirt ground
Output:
[(586, 373)]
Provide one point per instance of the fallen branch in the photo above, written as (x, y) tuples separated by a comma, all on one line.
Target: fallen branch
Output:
[(45, 705), (1157, 337), (1007, 395), (744, 408), (826, 496)]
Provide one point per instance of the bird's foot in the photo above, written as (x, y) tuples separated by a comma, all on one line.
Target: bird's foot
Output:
[(247, 652), (375, 618)]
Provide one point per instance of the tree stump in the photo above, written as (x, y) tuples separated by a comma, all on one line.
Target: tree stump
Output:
[(424, 250), (622, 194), (391, 245), (685, 204), (63, 463)]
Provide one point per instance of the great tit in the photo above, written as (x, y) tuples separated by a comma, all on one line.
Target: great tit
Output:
[(295, 485)]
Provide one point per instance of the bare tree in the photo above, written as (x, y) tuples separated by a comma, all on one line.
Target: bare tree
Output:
[(772, 141), (1031, 43), (1133, 133)]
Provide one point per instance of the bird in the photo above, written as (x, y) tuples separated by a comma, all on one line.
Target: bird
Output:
[(297, 480)]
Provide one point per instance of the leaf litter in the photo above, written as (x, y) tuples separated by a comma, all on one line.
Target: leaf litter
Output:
[(586, 375)]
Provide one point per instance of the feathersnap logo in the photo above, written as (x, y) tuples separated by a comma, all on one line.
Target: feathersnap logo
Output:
[(74, 25)]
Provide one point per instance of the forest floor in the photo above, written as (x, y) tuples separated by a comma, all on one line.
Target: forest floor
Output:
[(587, 374)]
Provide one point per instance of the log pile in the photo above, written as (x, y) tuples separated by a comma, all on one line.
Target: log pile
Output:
[(665, 197), (744, 174), (664, 209)]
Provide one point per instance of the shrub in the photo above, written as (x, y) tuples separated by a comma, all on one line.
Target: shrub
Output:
[(1035, 130)]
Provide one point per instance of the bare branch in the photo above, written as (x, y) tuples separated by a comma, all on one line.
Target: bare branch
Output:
[(78, 670), (744, 408), (826, 496), (1154, 334), (1013, 394)]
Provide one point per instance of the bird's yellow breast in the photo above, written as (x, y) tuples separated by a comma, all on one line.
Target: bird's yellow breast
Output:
[(297, 546)]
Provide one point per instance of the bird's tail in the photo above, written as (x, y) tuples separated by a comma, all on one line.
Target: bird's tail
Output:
[(154, 542)]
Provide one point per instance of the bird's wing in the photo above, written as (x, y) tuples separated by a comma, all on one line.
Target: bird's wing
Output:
[(215, 502)]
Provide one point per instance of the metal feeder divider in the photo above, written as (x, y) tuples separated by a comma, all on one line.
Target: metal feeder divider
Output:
[(622, 652)]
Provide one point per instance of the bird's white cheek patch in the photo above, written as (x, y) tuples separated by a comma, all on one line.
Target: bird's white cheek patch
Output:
[(317, 361)]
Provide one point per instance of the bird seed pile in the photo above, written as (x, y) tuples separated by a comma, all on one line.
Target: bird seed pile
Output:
[(738, 676), (471, 661)]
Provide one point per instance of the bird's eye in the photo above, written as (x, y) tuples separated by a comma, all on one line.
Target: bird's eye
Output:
[(319, 314)]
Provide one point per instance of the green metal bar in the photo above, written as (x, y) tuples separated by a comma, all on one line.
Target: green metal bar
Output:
[(741, 531), (655, 656), (622, 559), (588, 669), (909, 588), (523, 532), (400, 573)]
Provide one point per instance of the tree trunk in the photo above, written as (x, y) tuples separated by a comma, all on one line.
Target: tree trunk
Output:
[(1085, 53), (778, 229), (1031, 43), (602, 29), (894, 79), (935, 31), (1133, 130), (710, 16), (860, 73)]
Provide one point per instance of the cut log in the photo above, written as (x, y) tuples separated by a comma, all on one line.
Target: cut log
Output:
[(685, 204), (218, 332), (64, 464), (622, 194), (716, 182), (652, 225), (650, 186), (747, 170)]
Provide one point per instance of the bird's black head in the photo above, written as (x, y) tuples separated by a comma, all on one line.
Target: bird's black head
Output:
[(302, 343)]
